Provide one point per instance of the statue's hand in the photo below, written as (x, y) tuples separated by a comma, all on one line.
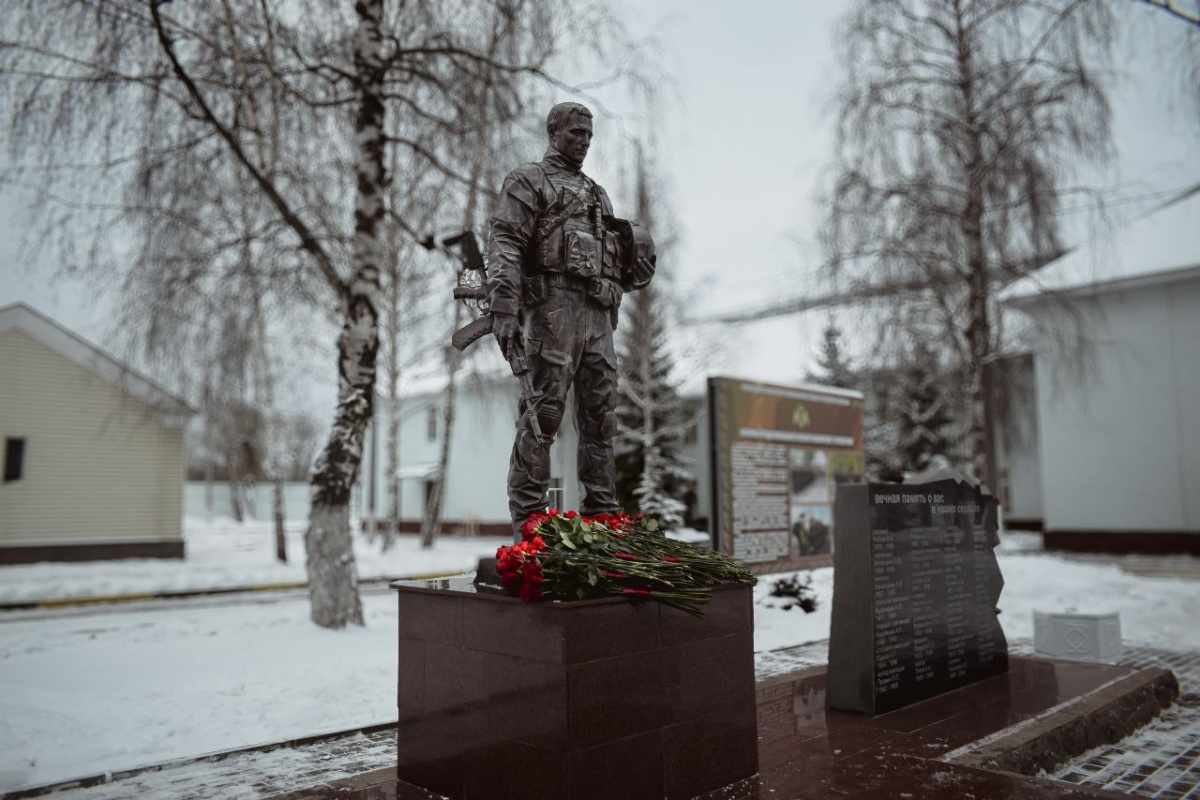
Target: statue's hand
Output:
[(642, 272), (507, 331)]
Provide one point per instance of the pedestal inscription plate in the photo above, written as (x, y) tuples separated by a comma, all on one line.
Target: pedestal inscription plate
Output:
[(566, 701), (915, 590)]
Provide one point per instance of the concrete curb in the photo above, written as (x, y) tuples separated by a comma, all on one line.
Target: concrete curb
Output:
[(70, 602)]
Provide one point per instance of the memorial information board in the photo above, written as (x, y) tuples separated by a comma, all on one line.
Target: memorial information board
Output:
[(777, 454), (916, 585)]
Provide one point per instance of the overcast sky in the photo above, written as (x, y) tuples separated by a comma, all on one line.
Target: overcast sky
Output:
[(744, 140)]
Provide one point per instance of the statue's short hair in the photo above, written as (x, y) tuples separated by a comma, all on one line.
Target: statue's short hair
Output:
[(559, 115)]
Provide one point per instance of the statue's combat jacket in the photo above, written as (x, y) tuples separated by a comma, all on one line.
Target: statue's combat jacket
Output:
[(549, 228)]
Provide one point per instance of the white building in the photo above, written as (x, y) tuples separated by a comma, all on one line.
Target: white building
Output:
[(1111, 459), (475, 498), (93, 452)]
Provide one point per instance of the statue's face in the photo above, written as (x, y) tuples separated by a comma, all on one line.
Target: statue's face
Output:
[(574, 138)]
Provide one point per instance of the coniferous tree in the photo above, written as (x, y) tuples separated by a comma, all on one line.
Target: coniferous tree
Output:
[(923, 417), (651, 424), (650, 471), (835, 369)]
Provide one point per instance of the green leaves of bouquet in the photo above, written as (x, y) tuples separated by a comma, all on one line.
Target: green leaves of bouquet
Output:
[(573, 557)]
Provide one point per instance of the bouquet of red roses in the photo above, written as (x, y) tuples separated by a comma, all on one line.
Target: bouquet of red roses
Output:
[(572, 557)]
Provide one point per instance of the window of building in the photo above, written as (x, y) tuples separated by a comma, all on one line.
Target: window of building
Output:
[(14, 460), (431, 423)]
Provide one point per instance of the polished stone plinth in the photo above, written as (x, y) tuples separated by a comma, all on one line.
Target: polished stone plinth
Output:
[(971, 742), (592, 699)]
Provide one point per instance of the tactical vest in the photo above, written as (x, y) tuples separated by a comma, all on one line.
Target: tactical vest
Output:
[(572, 239)]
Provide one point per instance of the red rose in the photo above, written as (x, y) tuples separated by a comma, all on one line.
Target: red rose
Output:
[(531, 525), (571, 514), (639, 592)]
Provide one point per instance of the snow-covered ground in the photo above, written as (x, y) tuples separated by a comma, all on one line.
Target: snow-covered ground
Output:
[(223, 554), (130, 686)]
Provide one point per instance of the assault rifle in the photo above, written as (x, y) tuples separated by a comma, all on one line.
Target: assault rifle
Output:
[(472, 290)]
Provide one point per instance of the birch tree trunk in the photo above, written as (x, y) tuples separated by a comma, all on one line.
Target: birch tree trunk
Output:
[(332, 577), (391, 527), (979, 423), (431, 523)]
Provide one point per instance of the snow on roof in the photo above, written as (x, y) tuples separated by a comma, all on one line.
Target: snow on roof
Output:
[(173, 412), (1160, 246)]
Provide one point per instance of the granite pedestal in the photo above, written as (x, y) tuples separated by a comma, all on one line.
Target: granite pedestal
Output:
[(592, 699)]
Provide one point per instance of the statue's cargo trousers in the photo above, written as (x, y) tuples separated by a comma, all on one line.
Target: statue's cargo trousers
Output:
[(569, 341)]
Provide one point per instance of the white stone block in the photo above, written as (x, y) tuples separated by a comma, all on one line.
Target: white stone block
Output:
[(1080, 637)]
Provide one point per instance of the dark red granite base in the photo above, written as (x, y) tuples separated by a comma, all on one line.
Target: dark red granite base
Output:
[(594, 699), (808, 752)]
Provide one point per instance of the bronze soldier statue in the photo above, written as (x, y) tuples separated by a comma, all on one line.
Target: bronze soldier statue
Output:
[(558, 264)]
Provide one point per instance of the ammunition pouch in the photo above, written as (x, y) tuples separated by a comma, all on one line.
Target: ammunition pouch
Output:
[(604, 292), (582, 252)]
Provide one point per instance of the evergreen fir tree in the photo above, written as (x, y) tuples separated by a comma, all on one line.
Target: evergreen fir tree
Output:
[(650, 420), (923, 415), (835, 369), (650, 471)]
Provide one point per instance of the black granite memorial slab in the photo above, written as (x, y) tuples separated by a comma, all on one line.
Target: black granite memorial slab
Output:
[(915, 590)]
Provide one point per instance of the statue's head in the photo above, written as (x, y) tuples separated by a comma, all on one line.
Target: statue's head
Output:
[(569, 126)]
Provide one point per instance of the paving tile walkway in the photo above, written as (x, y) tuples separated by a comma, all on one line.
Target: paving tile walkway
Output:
[(1160, 761)]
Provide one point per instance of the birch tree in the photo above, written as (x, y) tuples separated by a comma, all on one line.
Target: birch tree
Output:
[(218, 124), (485, 145), (960, 123)]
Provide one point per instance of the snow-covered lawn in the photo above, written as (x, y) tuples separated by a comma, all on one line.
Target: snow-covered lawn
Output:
[(129, 687), (225, 554)]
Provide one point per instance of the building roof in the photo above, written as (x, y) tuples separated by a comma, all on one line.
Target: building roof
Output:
[(1160, 247), (172, 411)]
